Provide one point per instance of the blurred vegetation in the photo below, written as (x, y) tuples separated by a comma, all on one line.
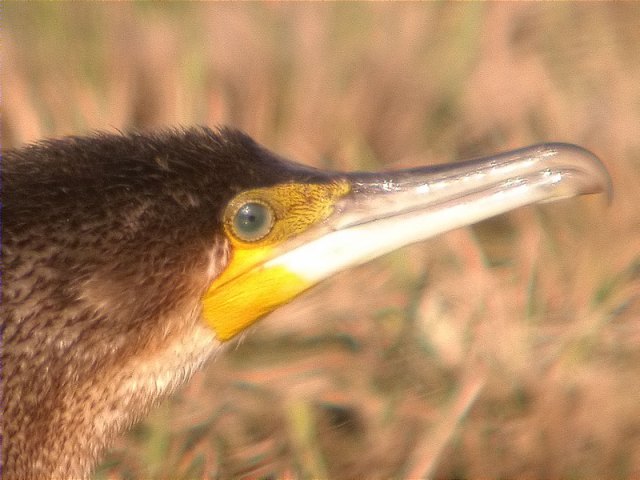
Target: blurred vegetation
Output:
[(510, 349)]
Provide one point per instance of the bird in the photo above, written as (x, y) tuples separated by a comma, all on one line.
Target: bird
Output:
[(130, 259)]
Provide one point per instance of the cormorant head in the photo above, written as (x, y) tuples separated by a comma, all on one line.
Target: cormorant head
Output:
[(130, 217), (127, 258)]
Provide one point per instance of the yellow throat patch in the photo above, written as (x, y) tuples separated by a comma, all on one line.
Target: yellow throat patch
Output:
[(248, 288)]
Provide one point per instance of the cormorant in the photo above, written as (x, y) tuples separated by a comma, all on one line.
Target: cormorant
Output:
[(129, 259)]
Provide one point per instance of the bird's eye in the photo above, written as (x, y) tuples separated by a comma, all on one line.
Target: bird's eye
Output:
[(253, 221)]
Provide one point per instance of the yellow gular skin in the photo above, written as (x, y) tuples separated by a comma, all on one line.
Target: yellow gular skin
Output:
[(247, 290)]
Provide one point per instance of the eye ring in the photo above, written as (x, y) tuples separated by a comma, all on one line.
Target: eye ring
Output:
[(252, 221)]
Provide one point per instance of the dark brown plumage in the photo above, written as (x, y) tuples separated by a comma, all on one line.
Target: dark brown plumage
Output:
[(108, 244)]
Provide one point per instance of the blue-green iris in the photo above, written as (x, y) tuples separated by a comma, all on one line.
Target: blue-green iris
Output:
[(252, 221)]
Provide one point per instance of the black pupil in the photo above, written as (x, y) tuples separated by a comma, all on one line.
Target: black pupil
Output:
[(252, 220)]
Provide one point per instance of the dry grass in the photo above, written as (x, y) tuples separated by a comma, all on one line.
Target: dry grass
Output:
[(511, 349)]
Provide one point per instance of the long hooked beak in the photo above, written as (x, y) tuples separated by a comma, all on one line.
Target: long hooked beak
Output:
[(385, 211)]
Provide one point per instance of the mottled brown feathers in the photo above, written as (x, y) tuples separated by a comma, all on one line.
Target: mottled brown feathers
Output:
[(108, 243)]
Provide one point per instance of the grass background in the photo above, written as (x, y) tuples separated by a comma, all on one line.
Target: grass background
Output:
[(509, 349)]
